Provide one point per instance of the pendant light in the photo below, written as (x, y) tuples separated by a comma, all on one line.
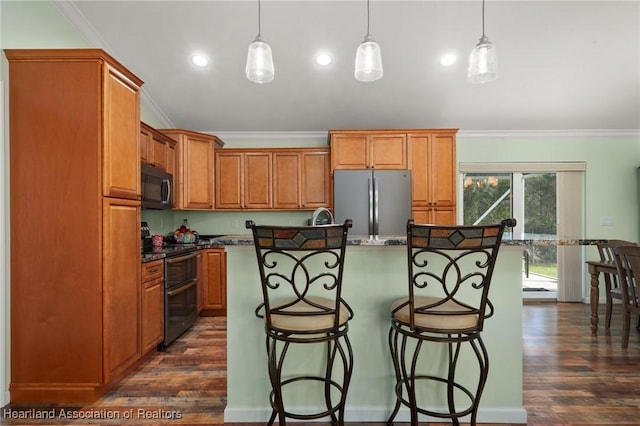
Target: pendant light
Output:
[(368, 58), (259, 59), (483, 61)]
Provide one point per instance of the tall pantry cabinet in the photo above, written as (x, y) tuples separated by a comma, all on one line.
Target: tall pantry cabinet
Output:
[(75, 223)]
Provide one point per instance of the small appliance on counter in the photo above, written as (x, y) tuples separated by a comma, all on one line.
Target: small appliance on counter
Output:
[(145, 236)]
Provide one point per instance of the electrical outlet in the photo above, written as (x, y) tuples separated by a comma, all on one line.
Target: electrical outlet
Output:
[(235, 223), (606, 221)]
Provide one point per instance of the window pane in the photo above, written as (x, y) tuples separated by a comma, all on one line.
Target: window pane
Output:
[(486, 198)]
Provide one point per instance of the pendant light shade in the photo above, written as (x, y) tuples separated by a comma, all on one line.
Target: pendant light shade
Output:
[(368, 58), (259, 61), (483, 60), (259, 67)]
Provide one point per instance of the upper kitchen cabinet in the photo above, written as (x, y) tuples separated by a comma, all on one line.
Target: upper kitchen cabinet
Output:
[(243, 179), (157, 149), (368, 149), (301, 179), (74, 131), (432, 161), (193, 179)]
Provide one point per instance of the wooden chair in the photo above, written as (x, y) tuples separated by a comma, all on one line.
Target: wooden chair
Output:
[(301, 279), (628, 263), (612, 286), (450, 270)]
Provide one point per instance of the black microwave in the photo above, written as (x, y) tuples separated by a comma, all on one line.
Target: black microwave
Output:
[(157, 188)]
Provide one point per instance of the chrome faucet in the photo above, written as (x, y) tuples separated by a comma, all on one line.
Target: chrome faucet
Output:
[(317, 212)]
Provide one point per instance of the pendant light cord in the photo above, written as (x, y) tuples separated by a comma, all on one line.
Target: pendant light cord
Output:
[(259, 13), (483, 35), (368, 17)]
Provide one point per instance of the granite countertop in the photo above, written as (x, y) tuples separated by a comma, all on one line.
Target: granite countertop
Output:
[(164, 252), (401, 240)]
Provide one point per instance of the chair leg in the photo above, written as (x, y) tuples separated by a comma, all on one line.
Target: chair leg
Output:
[(393, 346), (451, 379), (411, 381), (275, 376), (347, 362), (483, 362), (625, 328), (609, 302)]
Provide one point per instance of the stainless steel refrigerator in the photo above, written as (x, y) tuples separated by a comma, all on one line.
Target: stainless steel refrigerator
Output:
[(378, 201)]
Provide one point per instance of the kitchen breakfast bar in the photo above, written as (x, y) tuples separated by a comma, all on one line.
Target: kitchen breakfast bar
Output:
[(375, 275)]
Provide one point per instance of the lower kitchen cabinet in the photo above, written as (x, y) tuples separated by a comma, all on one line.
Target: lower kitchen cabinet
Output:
[(214, 282), (152, 306)]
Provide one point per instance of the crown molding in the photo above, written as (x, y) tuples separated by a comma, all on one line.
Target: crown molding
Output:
[(254, 135), (570, 133), (281, 135)]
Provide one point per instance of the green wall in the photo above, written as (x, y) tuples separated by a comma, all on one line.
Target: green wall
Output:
[(612, 159)]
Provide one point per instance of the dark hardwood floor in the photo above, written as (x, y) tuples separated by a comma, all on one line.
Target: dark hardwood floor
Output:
[(570, 376)]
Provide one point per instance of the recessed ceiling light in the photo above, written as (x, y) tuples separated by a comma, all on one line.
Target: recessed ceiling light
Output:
[(200, 60), (448, 59), (323, 59)]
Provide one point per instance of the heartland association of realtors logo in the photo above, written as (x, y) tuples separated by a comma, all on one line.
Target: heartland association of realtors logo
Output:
[(86, 414)]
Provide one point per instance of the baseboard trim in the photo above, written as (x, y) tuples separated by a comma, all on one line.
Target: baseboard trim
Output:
[(378, 414)]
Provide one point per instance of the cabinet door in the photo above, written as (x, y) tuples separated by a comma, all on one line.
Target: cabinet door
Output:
[(257, 180), (215, 292), (171, 159), (419, 165), (286, 180), (444, 215), (316, 180), (145, 142), (159, 152), (229, 180), (200, 272), (121, 152), (443, 162), (349, 151), (152, 315), (197, 173), (388, 151), (435, 215), (121, 285)]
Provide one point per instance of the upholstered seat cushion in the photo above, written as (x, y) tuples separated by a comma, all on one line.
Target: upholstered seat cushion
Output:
[(444, 316), (306, 319)]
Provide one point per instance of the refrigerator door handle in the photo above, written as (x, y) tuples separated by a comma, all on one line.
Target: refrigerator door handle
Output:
[(371, 202), (376, 201)]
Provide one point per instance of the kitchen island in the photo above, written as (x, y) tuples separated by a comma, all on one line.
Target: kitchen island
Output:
[(375, 274)]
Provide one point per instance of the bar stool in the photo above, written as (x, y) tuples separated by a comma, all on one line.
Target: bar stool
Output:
[(450, 269), (301, 276)]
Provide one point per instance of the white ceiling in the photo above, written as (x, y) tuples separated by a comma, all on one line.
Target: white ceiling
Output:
[(564, 65)]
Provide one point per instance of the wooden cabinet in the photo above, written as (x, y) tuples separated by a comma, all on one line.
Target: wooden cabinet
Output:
[(430, 154), (368, 149), (157, 149), (74, 148), (214, 282), (301, 179), (121, 105), (193, 180), (276, 178), (200, 274), (433, 176), (243, 179), (152, 305), (121, 298)]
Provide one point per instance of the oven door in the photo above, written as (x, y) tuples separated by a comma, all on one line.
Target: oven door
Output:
[(181, 309)]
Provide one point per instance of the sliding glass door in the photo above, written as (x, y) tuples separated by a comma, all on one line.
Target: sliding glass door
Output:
[(531, 198)]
